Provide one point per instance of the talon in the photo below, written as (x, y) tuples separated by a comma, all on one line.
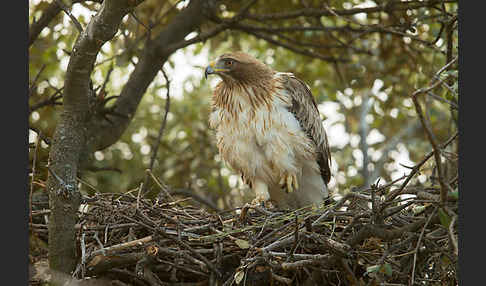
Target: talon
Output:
[(289, 182), (258, 201)]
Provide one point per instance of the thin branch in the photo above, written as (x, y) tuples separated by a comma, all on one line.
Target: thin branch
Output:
[(418, 246), (42, 136), (452, 237), (363, 133), (431, 137), (224, 24), (289, 47), (392, 142), (34, 163), (164, 121), (196, 197), (312, 12), (33, 84), (140, 22), (107, 78), (48, 15), (66, 10), (155, 147), (393, 194), (439, 98), (51, 100)]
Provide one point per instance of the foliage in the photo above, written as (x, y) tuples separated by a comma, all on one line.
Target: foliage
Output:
[(388, 56)]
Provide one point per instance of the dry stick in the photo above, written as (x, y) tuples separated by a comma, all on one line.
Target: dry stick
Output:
[(451, 103), (66, 10), (32, 85), (296, 237), (213, 31), (339, 204), (83, 255), (430, 135), (44, 138), (124, 245), (418, 245), (178, 242), (415, 169), (312, 12), (161, 132), (107, 78), (295, 49), (162, 187), (34, 161), (452, 236), (52, 100), (281, 279)]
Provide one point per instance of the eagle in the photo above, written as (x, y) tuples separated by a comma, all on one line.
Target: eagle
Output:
[(268, 129)]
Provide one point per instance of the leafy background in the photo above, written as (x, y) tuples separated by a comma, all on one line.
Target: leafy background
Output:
[(365, 99)]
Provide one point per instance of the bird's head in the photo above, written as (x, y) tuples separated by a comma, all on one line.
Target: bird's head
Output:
[(237, 66)]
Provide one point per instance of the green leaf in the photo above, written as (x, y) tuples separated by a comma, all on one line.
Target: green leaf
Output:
[(373, 268), (418, 209), (454, 194), (444, 218), (243, 244), (387, 269)]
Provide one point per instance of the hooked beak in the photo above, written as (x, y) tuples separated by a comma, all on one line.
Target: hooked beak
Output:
[(214, 67), (209, 70)]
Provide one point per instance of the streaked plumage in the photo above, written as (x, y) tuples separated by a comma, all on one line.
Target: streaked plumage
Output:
[(268, 129)]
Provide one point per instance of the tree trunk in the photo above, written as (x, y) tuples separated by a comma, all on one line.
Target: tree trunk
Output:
[(70, 137)]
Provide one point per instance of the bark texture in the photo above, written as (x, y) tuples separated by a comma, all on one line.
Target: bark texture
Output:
[(69, 139)]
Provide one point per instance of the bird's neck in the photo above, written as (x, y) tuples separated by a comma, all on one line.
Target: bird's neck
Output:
[(235, 97)]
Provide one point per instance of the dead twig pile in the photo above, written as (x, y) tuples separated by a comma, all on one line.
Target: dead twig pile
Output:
[(374, 237)]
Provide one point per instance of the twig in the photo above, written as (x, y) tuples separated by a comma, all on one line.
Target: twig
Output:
[(281, 279), (182, 244), (107, 78), (431, 137), (52, 100), (141, 23), (66, 10), (162, 187), (83, 254), (34, 163), (296, 238), (412, 278), (196, 197), (289, 47), (33, 84), (155, 147), (213, 31), (121, 246), (312, 12), (415, 169), (452, 236)]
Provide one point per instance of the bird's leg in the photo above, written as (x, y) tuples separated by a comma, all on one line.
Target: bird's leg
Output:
[(289, 182), (261, 193), (262, 196)]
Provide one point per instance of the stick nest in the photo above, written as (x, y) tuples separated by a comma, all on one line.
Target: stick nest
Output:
[(360, 239)]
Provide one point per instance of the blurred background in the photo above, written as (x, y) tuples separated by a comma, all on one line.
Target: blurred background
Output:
[(362, 59)]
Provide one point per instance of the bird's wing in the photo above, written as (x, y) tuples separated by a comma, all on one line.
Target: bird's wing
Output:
[(304, 108)]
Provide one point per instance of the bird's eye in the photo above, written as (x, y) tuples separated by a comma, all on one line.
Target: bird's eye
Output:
[(229, 63)]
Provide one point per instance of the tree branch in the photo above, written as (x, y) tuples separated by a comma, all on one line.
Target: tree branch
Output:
[(152, 58), (297, 50), (312, 12), (47, 16)]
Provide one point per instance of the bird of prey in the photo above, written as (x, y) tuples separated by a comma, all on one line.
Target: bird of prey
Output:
[(268, 129)]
